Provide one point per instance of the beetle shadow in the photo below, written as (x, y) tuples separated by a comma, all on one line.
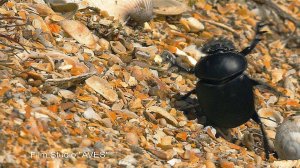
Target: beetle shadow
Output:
[(192, 112), (189, 109)]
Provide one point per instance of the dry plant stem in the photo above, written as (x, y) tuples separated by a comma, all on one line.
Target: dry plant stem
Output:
[(223, 26), (6, 26), (47, 112), (16, 18), (38, 48), (13, 40), (6, 63), (70, 79), (9, 63), (12, 18), (14, 47), (17, 64), (41, 55), (52, 72), (279, 11), (6, 51), (3, 2), (9, 38), (45, 57), (7, 66)]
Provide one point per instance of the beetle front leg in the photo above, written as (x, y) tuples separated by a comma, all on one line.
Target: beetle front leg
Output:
[(256, 118), (189, 107), (183, 97), (193, 112), (256, 39)]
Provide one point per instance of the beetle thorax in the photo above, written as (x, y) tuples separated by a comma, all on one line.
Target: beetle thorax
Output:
[(221, 67), (216, 46)]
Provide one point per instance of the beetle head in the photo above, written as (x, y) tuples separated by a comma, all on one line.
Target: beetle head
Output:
[(221, 45)]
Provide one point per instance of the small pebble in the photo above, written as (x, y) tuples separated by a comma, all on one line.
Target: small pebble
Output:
[(86, 142), (132, 138)]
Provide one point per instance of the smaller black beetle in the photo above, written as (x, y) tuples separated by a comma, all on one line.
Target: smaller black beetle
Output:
[(224, 92)]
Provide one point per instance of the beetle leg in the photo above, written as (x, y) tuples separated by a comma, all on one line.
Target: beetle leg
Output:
[(189, 107), (256, 118), (256, 39), (183, 97), (266, 86), (225, 133), (193, 112)]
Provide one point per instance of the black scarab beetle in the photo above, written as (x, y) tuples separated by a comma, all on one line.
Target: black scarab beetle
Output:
[(224, 92)]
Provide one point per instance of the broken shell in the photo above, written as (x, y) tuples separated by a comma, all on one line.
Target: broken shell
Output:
[(132, 138), (104, 44), (86, 142), (89, 113), (277, 75), (79, 32), (39, 23), (128, 161), (64, 7), (185, 61), (57, 18), (117, 47), (169, 7), (287, 140), (167, 140), (192, 24), (54, 163), (194, 52), (272, 100), (132, 81), (114, 59), (107, 122), (102, 87), (270, 117), (43, 9), (185, 24), (139, 11), (70, 48), (158, 59), (163, 113), (174, 161), (195, 24), (34, 102), (151, 50), (165, 155), (51, 99), (67, 94), (188, 59), (286, 163), (147, 27), (68, 9), (65, 67)]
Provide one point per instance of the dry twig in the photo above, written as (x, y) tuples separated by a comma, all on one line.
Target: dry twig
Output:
[(3, 2), (68, 82), (9, 38), (279, 11), (223, 26)]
